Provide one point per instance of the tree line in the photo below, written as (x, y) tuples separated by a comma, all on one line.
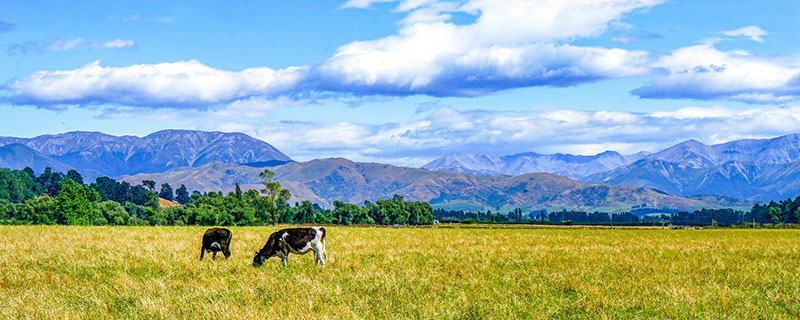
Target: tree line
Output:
[(58, 198), (64, 198), (782, 212)]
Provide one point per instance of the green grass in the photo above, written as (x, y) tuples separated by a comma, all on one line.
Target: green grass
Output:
[(459, 273)]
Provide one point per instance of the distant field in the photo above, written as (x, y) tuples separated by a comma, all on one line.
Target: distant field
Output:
[(154, 272)]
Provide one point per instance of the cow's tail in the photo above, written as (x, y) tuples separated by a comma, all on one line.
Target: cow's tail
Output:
[(323, 242)]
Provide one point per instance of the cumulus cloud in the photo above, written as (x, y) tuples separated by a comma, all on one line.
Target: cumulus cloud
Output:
[(118, 44), (180, 84), (753, 32), (704, 72), (510, 44)]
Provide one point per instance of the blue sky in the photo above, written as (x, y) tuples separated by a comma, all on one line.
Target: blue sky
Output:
[(404, 82)]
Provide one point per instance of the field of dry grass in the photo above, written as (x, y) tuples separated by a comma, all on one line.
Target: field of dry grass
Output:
[(154, 272)]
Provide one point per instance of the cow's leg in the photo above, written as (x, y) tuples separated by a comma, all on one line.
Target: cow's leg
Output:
[(202, 253), (285, 259), (319, 251)]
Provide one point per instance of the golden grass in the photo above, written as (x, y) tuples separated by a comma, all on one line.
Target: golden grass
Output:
[(154, 272), (164, 203)]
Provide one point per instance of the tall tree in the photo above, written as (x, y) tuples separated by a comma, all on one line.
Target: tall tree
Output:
[(182, 195), (273, 195), (166, 192), (238, 192)]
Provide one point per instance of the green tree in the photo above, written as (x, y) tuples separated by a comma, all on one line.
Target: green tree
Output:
[(166, 192), (114, 213), (50, 181), (76, 204), (75, 176), (18, 186), (304, 212), (149, 184), (182, 195), (775, 214), (237, 191), (274, 195)]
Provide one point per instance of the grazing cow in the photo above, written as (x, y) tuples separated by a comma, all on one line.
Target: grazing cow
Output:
[(295, 240), (215, 240)]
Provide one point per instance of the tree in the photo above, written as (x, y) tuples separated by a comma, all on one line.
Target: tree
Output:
[(29, 171), (76, 204), (182, 195), (149, 184), (166, 192), (75, 176), (775, 214), (238, 192), (139, 195), (17, 186), (304, 212), (50, 181), (273, 195)]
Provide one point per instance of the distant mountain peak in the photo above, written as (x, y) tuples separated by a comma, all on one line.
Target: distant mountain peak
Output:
[(569, 165), (156, 152)]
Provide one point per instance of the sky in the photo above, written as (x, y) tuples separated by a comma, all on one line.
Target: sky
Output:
[(404, 82)]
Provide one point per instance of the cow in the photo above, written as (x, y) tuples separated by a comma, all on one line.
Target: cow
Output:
[(216, 240), (294, 240)]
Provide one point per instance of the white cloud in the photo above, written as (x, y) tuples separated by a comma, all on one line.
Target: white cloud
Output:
[(179, 84), (753, 32), (510, 44), (118, 44), (703, 72)]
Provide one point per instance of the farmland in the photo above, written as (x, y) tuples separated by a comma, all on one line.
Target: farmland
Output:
[(450, 273)]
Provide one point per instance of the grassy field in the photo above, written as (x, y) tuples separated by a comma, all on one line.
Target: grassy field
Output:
[(154, 272)]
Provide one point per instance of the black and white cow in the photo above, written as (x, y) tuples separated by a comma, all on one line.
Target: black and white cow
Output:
[(295, 240), (216, 240)]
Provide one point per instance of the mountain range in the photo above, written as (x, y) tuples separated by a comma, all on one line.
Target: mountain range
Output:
[(765, 169), (568, 165), (325, 180), (755, 169), (95, 154)]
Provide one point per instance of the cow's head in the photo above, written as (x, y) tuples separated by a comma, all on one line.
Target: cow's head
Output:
[(274, 248), (259, 259)]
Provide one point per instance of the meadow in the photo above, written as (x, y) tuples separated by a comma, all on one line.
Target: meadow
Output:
[(72, 272)]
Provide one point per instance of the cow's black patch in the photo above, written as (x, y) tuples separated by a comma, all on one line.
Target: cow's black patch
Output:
[(216, 240)]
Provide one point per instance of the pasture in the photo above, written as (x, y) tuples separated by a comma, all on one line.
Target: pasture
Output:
[(71, 272)]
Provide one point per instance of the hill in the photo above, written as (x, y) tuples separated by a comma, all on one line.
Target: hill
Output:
[(323, 181)]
